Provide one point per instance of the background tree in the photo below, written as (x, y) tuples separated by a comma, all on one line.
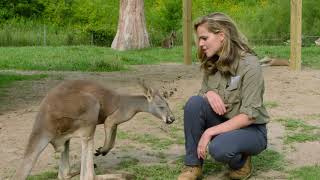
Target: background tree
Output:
[(132, 32)]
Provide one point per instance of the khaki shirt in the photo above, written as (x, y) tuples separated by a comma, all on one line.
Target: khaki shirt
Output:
[(242, 91)]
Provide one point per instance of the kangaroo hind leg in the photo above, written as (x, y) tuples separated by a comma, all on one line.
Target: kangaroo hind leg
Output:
[(64, 165), (86, 133)]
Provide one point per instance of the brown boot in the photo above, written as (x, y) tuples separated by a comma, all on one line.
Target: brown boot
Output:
[(244, 172), (191, 173)]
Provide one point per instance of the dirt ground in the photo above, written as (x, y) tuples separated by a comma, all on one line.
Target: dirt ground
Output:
[(296, 94)]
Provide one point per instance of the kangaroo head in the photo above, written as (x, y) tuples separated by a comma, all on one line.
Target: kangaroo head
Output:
[(317, 42), (158, 106), (172, 38), (173, 35)]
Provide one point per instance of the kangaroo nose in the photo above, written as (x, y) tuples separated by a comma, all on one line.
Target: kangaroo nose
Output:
[(170, 120)]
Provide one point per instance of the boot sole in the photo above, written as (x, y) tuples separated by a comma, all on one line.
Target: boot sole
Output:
[(244, 178)]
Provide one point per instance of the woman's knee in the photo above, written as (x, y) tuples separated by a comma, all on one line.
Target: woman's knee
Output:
[(217, 152), (221, 151), (194, 102)]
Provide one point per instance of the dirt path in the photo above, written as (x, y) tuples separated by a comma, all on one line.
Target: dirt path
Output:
[(293, 95)]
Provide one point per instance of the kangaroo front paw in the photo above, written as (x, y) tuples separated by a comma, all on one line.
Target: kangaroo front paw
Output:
[(99, 152)]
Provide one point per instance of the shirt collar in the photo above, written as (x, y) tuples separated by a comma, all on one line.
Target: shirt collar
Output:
[(233, 68)]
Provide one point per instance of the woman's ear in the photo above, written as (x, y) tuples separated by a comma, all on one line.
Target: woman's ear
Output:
[(221, 36)]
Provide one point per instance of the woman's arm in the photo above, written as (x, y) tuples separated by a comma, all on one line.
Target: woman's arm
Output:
[(237, 122)]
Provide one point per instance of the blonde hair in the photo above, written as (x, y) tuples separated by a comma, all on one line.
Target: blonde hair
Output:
[(234, 45)]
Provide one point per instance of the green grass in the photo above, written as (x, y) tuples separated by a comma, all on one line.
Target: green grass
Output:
[(299, 131), (83, 58), (295, 124), (92, 58), (271, 104), (148, 139), (163, 170), (157, 171), (8, 78), (49, 175), (306, 173), (73, 58), (269, 160), (301, 137)]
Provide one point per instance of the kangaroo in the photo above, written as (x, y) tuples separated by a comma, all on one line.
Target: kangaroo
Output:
[(168, 42), (317, 42), (73, 109), (267, 61)]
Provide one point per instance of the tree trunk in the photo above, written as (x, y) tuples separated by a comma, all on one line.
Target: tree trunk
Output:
[(132, 32)]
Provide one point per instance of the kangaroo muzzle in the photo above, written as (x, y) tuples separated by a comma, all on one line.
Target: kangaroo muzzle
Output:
[(170, 119)]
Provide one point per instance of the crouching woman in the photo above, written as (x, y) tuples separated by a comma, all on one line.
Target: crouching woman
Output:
[(228, 117)]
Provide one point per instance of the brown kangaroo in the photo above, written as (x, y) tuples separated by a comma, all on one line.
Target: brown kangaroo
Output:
[(73, 109), (168, 42), (317, 42), (267, 61)]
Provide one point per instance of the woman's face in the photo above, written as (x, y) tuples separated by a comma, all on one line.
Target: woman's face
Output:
[(209, 43)]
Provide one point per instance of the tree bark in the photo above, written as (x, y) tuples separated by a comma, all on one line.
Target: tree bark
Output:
[(132, 32)]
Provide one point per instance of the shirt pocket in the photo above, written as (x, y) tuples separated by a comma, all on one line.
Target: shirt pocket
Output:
[(231, 97)]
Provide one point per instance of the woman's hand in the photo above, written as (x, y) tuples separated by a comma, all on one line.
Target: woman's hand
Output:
[(203, 143), (216, 103)]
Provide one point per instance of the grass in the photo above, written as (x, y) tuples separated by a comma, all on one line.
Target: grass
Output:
[(74, 58), (49, 175), (83, 58), (299, 131), (156, 171), (92, 58), (301, 137), (8, 78), (269, 160), (306, 173), (271, 104), (295, 124), (148, 139), (173, 135)]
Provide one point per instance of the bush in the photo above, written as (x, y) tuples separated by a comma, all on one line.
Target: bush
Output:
[(71, 22), (102, 37)]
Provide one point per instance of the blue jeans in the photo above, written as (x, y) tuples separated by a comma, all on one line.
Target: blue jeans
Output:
[(230, 147)]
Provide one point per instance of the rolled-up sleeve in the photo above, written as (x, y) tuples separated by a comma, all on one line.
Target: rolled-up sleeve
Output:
[(252, 92)]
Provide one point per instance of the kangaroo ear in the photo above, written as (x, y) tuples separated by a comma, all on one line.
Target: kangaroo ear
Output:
[(148, 91), (149, 94), (173, 34)]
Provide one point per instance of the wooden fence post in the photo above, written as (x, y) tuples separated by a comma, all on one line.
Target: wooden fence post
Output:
[(187, 31), (295, 35)]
